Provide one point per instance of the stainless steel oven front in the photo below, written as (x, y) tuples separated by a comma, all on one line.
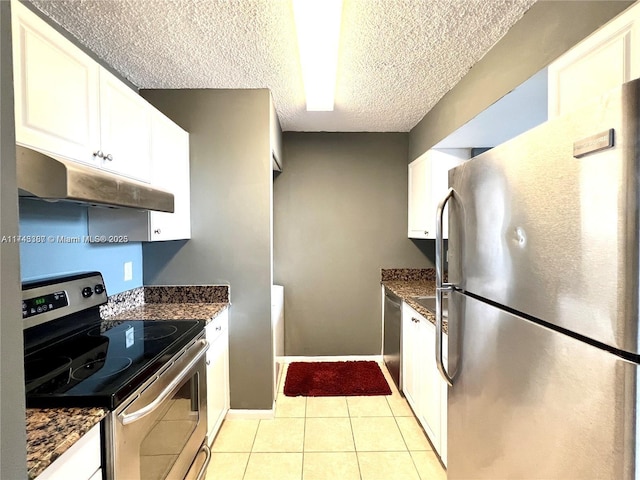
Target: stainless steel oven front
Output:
[(160, 429)]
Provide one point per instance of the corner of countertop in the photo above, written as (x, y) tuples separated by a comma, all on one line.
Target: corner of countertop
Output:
[(52, 431)]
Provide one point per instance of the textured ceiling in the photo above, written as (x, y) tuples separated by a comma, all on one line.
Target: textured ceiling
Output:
[(397, 57)]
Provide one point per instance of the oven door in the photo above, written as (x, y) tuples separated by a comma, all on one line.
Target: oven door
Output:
[(157, 433)]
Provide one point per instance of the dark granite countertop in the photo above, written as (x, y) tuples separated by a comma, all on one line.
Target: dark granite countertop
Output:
[(407, 283), (51, 431)]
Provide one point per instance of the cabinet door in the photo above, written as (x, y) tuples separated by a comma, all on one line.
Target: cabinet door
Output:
[(170, 160), (407, 362), (442, 161), (217, 373), (420, 223), (125, 129), (56, 90), (430, 389), (444, 391), (428, 183), (604, 60), (275, 138)]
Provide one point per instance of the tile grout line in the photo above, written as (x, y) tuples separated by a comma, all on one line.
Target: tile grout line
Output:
[(353, 437), (304, 438), (255, 436), (395, 418)]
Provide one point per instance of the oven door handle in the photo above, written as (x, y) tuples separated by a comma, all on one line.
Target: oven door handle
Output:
[(147, 409)]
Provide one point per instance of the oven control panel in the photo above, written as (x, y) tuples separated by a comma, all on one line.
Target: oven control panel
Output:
[(44, 303), (52, 298)]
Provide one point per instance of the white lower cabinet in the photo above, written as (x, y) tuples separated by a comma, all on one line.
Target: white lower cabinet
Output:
[(80, 462), (217, 333), (423, 387)]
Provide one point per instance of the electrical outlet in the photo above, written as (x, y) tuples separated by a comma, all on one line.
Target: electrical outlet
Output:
[(128, 271)]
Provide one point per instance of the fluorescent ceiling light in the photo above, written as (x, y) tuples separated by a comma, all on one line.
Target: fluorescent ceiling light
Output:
[(318, 28)]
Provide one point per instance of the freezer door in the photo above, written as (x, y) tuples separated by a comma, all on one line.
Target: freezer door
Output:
[(531, 403), (540, 225)]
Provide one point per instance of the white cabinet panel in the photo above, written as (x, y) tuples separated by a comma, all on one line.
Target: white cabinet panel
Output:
[(170, 160), (604, 60), (56, 90), (170, 171), (68, 105), (430, 400), (444, 392), (420, 224), (275, 138), (422, 385), (409, 375), (217, 333), (428, 183), (125, 129)]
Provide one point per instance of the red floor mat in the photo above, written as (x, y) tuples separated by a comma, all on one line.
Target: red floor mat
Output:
[(335, 379)]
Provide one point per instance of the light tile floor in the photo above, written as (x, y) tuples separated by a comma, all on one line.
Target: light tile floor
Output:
[(327, 438)]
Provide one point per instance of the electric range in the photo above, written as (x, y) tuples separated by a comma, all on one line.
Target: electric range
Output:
[(79, 360), (149, 374)]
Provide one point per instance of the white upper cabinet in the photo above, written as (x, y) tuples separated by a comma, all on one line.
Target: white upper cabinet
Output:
[(66, 104), (170, 171), (56, 90), (275, 137), (428, 183), (607, 58), (170, 153), (125, 129)]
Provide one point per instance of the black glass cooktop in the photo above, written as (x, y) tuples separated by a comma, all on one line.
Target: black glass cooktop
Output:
[(102, 363)]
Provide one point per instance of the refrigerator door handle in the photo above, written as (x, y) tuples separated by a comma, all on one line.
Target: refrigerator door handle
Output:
[(441, 287), (440, 240)]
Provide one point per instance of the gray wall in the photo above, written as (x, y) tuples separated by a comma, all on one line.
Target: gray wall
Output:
[(546, 31), (231, 224), (340, 214), (13, 458)]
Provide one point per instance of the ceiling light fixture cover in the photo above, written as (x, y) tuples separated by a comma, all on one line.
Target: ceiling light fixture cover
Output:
[(318, 30)]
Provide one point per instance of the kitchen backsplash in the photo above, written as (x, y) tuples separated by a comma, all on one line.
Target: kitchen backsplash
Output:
[(408, 274), (136, 297), (187, 294), (53, 241), (122, 301)]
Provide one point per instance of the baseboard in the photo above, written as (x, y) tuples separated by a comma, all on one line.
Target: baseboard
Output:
[(339, 358), (245, 414)]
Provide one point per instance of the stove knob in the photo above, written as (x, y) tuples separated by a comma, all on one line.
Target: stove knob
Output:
[(99, 288), (87, 292)]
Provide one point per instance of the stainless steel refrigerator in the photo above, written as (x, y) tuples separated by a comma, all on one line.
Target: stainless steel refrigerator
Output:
[(543, 263)]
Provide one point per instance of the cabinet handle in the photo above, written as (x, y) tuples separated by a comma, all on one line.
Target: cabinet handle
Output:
[(157, 231), (208, 362), (98, 154), (109, 157), (426, 232), (218, 328)]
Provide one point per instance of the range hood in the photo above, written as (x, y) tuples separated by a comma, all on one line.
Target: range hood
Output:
[(43, 176)]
